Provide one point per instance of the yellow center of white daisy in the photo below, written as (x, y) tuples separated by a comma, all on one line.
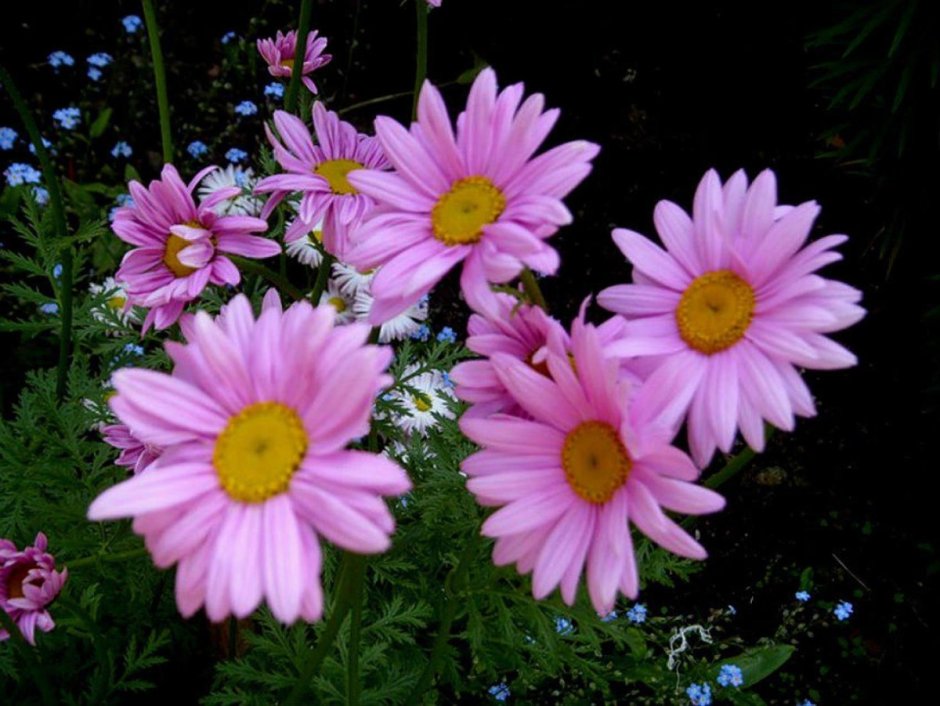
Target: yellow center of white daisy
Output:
[(116, 302), (422, 403), (315, 236), (459, 216), (338, 303), (595, 461), (335, 172), (257, 453), (16, 578), (715, 311)]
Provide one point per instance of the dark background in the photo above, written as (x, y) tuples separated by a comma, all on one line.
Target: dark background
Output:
[(668, 90)]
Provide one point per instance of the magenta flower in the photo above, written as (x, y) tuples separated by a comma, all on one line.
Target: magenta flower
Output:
[(732, 308), (281, 52), (319, 172), (29, 582), (253, 424), (570, 479), (180, 246), (479, 197), (135, 454)]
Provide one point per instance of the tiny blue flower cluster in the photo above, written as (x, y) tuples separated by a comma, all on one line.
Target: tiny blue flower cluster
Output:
[(246, 108), (236, 155), (843, 610), (730, 675), (500, 691), (131, 23), (19, 173), (637, 614), (197, 148), (447, 334), (68, 118), (60, 58), (121, 149), (228, 37), (802, 596), (274, 90), (563, 626), (421, 334), (699, 694), (7, 138)]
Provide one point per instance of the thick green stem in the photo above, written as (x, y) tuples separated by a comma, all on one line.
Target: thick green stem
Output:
[(355, 635), (323, 273), (256, 268), (453, 587), (351, 573), (421, 55), (159, 78), (532, 289), (300, 53), (116, 556), (32, 662), (57, 204)]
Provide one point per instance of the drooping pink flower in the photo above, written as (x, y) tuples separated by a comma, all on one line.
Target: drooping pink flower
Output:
[(479, 197), (29, 582), (135, 454), (281, 52), (253, 423), (319, 172), (571, 479), (526, 333), (732, 307), (180, 246)]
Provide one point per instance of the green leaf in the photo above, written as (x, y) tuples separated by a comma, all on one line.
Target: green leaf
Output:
[(131, 174), (101, 123), (757, 663)]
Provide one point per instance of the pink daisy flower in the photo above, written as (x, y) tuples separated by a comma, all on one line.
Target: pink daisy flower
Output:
[(478, 197), (135, 454), (253, 424), (29, 582), (569, 480), (732, 307), (526, 333), (281, 52), (180, 246), (320, 173)]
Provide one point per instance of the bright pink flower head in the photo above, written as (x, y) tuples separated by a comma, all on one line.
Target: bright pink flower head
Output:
[(29, 582), (569, 480), (180, 246), (135, 454), (319, 172), (479, 197), (253, 423), (281, 52), (732, 307)]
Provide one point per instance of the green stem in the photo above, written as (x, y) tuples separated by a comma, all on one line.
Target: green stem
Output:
[(256, 268), (736, 464), (57, 204), (355, 635), (303, 29), (421, 56), (351, 572), (323, 273), (453, 587), (159, 78), (373, 101), (116, 556), (32, 662), (532, 289)]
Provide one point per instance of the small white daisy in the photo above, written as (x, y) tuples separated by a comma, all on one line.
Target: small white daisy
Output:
[(307, 250), (114, 308), (351, 280), (427, 395), (397, 328), (339, 301), (245, 205)]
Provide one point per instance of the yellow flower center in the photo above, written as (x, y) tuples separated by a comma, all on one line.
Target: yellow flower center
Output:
[(171, 256), (715, 311), (287, 63), (338, 303), (315, 236), (421, 402), (16, 578), (258, 451), (116, 302), (595, 461), (459, 215), (335, 171)]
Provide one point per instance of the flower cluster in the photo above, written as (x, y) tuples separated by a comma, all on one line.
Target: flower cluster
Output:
[(68, 118), (280, 53)]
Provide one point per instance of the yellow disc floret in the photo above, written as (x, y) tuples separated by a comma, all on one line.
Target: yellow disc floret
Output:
[(459, 215), (338, 303), (715, 311), (258, 451), (335, 172), (595, 461), (422, 402), (171, 256)]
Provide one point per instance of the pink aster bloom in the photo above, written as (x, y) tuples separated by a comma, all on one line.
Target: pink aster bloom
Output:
[(526, 333), (181, 246), (253, 423), (570, 480), (135, 454), (29, 582), (732, 307), (281, 52), (319, 172), (478, 197)]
